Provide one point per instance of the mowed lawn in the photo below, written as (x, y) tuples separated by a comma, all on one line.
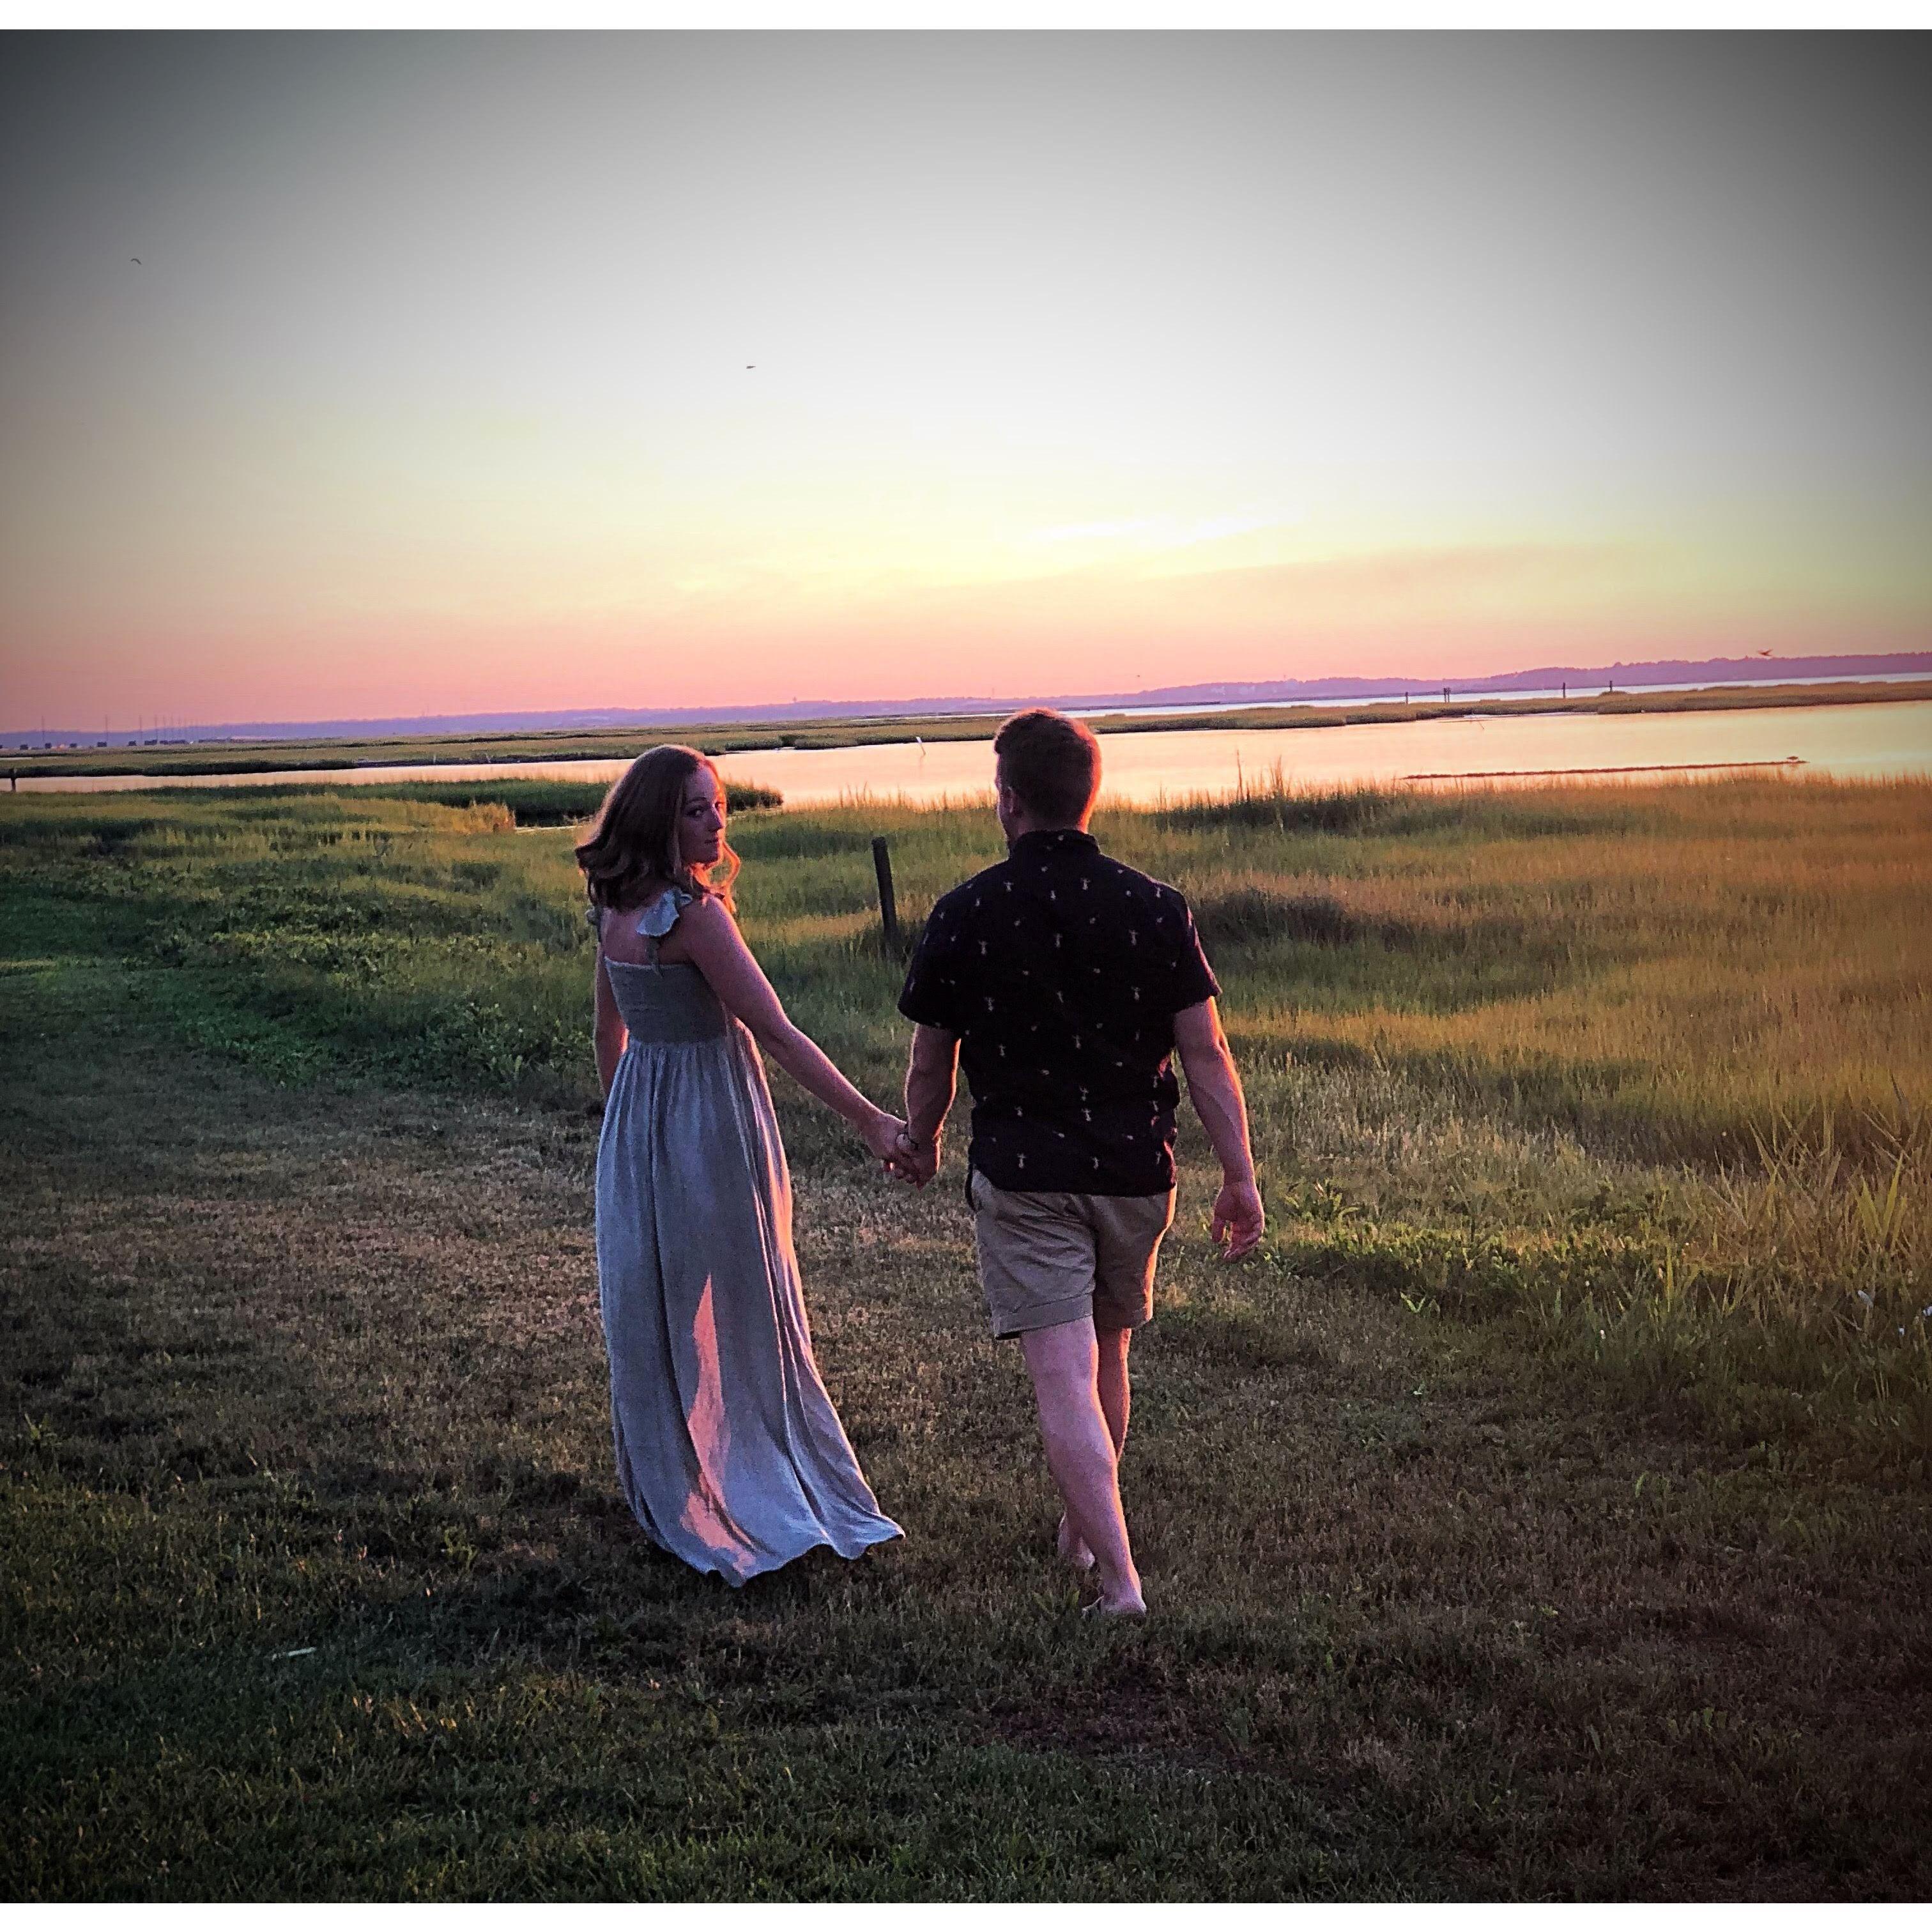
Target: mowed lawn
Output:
[(1543, 1513)]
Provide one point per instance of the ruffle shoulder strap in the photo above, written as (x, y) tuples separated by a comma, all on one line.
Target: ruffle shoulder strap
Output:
[(661, 914)]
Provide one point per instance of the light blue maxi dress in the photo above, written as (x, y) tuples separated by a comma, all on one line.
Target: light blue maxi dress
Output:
[(729, 1450)]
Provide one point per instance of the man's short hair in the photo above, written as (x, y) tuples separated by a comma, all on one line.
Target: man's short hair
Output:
[(1052, 762)]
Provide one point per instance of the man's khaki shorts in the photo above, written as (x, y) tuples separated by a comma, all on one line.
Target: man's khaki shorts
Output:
[(1049, 1258)]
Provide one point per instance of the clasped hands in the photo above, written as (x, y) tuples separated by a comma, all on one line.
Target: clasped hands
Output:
[(903, 1157)]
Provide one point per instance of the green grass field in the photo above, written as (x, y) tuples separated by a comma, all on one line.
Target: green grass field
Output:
[(1542, 1513)]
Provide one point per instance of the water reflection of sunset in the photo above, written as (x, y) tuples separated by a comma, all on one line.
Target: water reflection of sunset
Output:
[(1139, 767)]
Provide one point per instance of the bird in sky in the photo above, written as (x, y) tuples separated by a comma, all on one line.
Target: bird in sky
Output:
[(136, 259)]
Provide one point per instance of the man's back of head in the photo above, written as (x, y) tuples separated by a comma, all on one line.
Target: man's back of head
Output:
[(1050, 763)]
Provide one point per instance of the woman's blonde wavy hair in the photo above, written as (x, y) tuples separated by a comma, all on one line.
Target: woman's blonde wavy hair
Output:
[(633, 840)]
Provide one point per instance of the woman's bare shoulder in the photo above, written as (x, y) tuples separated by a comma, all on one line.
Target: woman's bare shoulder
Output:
[(707, 916)]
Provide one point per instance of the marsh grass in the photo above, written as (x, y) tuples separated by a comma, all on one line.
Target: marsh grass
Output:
[(548, 801), (525, 801), (1542, 1513), (1687, 995), (1512, 1013)]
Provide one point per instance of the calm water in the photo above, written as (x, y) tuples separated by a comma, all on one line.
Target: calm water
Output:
[(1838, 741), (1428, 694)]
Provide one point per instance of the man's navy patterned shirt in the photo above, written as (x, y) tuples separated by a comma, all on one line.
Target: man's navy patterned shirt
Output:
[(1060, 971)]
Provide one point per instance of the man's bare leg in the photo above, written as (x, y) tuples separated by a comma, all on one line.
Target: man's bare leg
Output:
[(1064, 1363), (1116, 1399)]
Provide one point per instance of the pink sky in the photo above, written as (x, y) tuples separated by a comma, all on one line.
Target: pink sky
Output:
[(1079, 364)]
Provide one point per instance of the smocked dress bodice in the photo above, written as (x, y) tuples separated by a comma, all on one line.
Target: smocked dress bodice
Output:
[(664, 1003)]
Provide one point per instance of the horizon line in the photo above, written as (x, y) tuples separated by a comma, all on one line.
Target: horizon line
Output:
[(1806, 669)]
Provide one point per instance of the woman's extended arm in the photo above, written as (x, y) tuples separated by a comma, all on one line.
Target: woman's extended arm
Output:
[(612, 1034), (718, 949)]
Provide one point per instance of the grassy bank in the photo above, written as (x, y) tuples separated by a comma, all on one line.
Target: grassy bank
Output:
[(528, 802), (1543, 1513), (823, 734)]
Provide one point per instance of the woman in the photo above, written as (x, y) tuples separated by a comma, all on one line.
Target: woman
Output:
[(728, 1448)]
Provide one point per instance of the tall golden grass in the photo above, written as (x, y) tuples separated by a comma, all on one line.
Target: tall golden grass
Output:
[(1687, 1021)]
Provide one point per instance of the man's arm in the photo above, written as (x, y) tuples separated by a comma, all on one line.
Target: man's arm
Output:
[(932, 1076), (1215, 1088)]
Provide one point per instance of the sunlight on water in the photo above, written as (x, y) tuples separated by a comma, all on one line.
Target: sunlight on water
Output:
[(1847, 741), (1838, 741)]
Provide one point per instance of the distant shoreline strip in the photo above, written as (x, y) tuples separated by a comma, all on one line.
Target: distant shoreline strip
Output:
[(1612, 771)]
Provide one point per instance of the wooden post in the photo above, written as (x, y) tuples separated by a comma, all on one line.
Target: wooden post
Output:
[(889, 911)]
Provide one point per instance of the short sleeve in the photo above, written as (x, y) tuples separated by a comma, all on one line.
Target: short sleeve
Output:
[(1193, 979), (931, 996)]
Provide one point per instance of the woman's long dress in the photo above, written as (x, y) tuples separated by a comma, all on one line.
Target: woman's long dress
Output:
[(729, 1450)]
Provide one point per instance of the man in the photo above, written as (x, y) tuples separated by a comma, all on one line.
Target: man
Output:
[(1066, 980)]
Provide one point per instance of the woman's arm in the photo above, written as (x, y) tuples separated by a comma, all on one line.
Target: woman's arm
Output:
[(612, 1034), (718, 949)]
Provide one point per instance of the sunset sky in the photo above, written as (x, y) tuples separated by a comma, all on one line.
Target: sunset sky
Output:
[(1082, 362)]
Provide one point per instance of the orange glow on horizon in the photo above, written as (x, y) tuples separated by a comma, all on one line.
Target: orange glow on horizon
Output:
[(1103, 627)]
